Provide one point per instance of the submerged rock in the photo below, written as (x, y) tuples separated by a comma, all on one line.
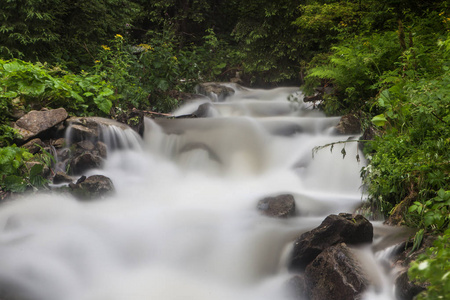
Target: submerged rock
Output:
[(335, 274), (335, 229), (215, 91), (93, 187), (282, 206)]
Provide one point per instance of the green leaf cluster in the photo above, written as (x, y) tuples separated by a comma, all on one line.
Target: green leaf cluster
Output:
[(14, 173), (433, 268)]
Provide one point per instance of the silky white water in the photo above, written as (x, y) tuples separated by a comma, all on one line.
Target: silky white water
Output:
[(183, 223)]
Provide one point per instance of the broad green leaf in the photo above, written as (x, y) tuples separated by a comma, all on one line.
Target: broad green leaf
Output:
[(379, 120)]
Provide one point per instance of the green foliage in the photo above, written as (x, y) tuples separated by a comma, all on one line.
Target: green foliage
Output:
[(37, 85), (353, 68), (14, 173), (434, 269), (435, 212)]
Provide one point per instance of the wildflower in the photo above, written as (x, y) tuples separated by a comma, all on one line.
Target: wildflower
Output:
[(118, 36), (106, 48), (174, 58), (97, 61)]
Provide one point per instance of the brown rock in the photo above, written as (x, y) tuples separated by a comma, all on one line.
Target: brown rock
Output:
[(281, 206), (96, 186), (37, 122), (34, 146), (349, 124), (61, 177)]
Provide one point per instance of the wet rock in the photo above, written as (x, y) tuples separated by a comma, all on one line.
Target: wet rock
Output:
[(282, 206), (349, 124), (335, 229), (203, 110), (80, 133), (34, 146), (335, 274), (84, 162), (61, 177), (405, 289), (93, 187), (59, 143), (215, 91), (38, 122), (89, 128), (86, 145)]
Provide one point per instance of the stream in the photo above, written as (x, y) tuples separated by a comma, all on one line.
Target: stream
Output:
[(184, 222)]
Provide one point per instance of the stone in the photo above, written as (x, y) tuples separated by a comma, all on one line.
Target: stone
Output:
[(37, 122), (84, 162), (59, 143), (335, 229), (86, 145), (349, 124), (215, 91), (282, 206), (61, 177), (34, 146), (93, 187), (335, 274), (202, 110), (405, 289)]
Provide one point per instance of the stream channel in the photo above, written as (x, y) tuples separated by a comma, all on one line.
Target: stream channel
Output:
[(184, 223)]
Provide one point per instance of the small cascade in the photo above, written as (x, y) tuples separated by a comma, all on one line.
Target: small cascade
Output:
[(184, 222)]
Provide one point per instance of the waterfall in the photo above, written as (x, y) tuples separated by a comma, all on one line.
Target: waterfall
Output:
[(183, 223)]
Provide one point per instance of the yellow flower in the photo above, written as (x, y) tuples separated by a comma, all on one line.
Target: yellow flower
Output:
[(174, 58), (106, 47), (118, 36), (97, 61)]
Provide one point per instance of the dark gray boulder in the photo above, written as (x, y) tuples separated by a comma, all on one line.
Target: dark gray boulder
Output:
[(61, 177), (281, 206), (335, 229), (349, 124), (84, 162), (335, 274)]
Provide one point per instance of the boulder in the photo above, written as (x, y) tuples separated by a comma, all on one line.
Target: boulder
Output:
[(335, 229), (215, 91), (61, 177), (35, 123), (282, 206), (335, 274), (93, 187), (84, 162), (349, 124)]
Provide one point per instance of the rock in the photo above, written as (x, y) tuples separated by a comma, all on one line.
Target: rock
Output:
[(38, 122), (59, 143), (34, 146), (281, 206), (335, 229), (203, 110), (405, 289), (45, 169), (335, 274), (349, 124), (93, 187), (61, 177), (86, 145), (102, 149), (84, 162), (215, 91)]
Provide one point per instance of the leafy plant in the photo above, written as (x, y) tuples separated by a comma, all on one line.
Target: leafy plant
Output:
[(434, 268), (15, 175)]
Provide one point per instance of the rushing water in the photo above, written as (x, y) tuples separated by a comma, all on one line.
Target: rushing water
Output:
[(184, 222)]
